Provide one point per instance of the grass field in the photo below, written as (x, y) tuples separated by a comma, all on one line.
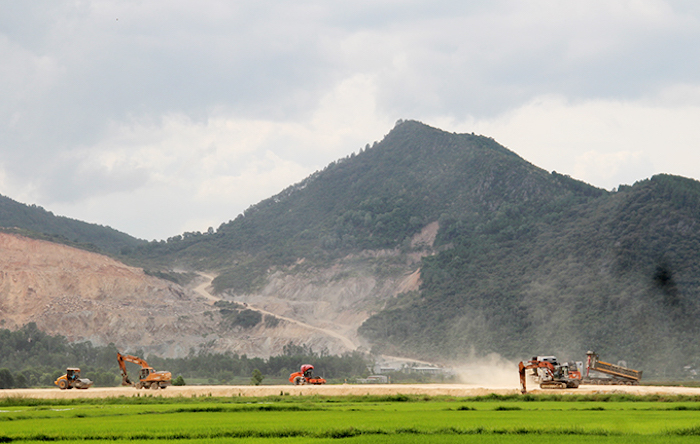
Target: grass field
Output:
[(366, 419)]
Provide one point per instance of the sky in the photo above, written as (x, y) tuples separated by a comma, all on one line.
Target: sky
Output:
[(162, 117)]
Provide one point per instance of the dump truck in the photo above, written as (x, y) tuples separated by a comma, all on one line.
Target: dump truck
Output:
[(148, 377), (306, 376), (72, 379), (615, 374), (549, 373)]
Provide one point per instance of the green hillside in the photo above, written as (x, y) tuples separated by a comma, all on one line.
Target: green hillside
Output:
[(376, 199), (527, 261), (34, 221), (619, 274)]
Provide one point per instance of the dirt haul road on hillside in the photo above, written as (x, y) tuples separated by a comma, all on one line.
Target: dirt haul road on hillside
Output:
[(203, 290), (333, 390)]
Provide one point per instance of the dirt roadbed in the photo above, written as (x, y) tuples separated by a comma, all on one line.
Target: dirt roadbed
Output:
[(332, 390)]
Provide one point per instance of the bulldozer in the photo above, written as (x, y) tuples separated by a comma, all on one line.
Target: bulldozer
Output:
[(148, 377), (306, 376), (549, 373), (72, 379)]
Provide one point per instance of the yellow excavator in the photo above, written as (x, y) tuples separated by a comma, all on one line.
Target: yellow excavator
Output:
[(148, 377), (72, 379)]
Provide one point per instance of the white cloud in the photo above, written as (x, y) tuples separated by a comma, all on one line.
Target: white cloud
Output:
[(603, 142), (602, 167), (202, 109), (212, 170)]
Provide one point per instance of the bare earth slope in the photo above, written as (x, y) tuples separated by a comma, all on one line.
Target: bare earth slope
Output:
[(88, 296), (320, 308), (323, 307)]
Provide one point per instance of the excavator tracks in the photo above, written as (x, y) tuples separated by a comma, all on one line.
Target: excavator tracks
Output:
[(553, 385)]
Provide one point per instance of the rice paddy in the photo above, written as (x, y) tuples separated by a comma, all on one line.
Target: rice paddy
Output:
[(353, 419)]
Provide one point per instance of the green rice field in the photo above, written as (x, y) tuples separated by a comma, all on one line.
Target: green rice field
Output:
[(366, 419)]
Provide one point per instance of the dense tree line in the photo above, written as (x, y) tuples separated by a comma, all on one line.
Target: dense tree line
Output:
[(31, 358), (34, 221), (224, 368)]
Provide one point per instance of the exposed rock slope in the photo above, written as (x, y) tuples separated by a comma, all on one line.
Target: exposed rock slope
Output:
[(323, 307), (87, 296)]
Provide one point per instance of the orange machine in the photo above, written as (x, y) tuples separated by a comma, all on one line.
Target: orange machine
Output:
[(549, 373), (148, 377), (306, 376), (72, 379)]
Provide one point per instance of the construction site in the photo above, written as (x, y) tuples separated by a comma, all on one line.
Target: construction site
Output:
[(549, 373), (541, 374)]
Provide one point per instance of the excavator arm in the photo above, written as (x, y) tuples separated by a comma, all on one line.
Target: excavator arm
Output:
[(148, 377), (121, 359), (523, 378), (534, 365)]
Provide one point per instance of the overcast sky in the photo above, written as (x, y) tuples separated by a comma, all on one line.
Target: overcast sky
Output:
[(159, 117)]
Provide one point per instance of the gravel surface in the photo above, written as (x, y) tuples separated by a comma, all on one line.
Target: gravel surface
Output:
[(333, 390)]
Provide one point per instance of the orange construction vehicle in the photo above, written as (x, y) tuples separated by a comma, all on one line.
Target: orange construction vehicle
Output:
[(72, 379), (148, 377), (549, 373), (306, 376)]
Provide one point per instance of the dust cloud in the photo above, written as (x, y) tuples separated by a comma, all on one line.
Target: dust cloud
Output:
[(489, 371)]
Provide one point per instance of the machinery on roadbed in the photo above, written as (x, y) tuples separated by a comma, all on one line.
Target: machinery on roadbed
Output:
[(72, 379), (306, 376), (549, 373), (148, 377), (616, 374)]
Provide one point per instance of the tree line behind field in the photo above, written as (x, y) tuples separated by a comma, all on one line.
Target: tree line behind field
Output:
[(32, 358)]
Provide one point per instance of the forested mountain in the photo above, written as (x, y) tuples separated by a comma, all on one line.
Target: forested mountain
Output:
[(618, 274), (525, 261), (520, 261), (34, 221), (377, 199)]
